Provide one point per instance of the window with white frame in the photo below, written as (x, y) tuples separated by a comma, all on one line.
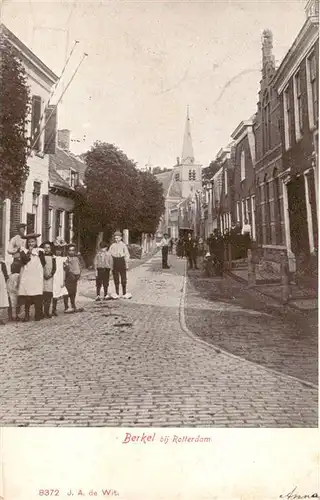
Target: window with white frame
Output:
[(225, 181), (177, 177), (248, 210), (59, 224), (287, 117), (243, 211), (35, 202), (238, 211), (243, 166), (312, 90), (298, 106), (253, 217)]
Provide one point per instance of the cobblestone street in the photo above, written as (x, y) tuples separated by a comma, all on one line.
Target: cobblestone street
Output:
[(136, 363)]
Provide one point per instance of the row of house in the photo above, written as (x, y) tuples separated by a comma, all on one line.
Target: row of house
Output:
[(46, 205), (268, 174)]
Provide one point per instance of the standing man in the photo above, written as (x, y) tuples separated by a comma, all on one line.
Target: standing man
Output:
[(191, 247), (164, 244), (16, 244), (246, 233)]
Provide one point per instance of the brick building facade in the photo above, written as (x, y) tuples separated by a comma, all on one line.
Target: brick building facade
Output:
[(268, 160), (297, 84)]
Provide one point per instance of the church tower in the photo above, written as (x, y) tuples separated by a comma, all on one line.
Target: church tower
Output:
[(187, 171)]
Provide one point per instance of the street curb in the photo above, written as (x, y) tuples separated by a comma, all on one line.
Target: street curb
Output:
[(285, 307), (218, 350)]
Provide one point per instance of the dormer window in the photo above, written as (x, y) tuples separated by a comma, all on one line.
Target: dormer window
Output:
[(73, 178)]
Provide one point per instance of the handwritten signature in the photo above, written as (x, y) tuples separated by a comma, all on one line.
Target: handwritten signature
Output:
[(294, 495)]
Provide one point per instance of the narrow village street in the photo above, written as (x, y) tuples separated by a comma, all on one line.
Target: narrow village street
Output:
[(141, 362)]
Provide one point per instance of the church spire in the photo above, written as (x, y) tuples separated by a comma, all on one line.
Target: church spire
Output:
[(187, 148)]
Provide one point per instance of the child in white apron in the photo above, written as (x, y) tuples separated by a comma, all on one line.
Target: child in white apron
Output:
[(59, 289), (31, 277)]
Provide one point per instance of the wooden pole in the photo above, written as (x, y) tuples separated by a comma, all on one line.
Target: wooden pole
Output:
[(251, 270)]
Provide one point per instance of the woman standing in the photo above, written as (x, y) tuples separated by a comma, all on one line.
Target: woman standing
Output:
[(48, 274), (31, 277), (59, 289)]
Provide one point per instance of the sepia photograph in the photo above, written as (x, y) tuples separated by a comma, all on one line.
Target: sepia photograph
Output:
[(159, 216)]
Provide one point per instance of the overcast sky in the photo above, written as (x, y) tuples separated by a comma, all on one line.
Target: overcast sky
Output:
[(148, 60)]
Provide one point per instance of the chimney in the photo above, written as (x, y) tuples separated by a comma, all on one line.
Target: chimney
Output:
[(64, 139), (178, 160)]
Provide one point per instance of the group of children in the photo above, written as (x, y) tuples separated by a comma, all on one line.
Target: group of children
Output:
[(40, 276)]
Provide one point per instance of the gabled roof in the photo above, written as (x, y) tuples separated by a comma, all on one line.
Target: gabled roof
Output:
[(55, 179), (28, 56), (60, 165)]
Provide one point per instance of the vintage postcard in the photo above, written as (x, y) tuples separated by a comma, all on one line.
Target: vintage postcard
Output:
[(159, 249)]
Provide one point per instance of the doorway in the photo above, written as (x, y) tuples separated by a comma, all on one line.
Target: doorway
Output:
[(298, 221)]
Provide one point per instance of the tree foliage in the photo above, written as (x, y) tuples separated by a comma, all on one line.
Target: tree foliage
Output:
[(14, 110), (152, 206), (208, 172), (117, 195)]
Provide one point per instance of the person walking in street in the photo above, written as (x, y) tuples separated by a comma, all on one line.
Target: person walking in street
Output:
[(102, 265), (59, 289), (4, 300), (191, 249), (171, 246), (246, 234), (49, 271), (31, 277), (180, 248), (217, 251), (164, 245), (120, 263), (72, 267)]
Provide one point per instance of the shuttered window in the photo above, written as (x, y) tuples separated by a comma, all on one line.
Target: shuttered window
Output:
[(67, 227), (15, 217), (45, 217), (50, 133), (35, 123), (59, 224)]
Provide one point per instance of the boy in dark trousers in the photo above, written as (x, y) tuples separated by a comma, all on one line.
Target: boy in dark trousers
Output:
[(102, 265), (120, 261), (72, 268)]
